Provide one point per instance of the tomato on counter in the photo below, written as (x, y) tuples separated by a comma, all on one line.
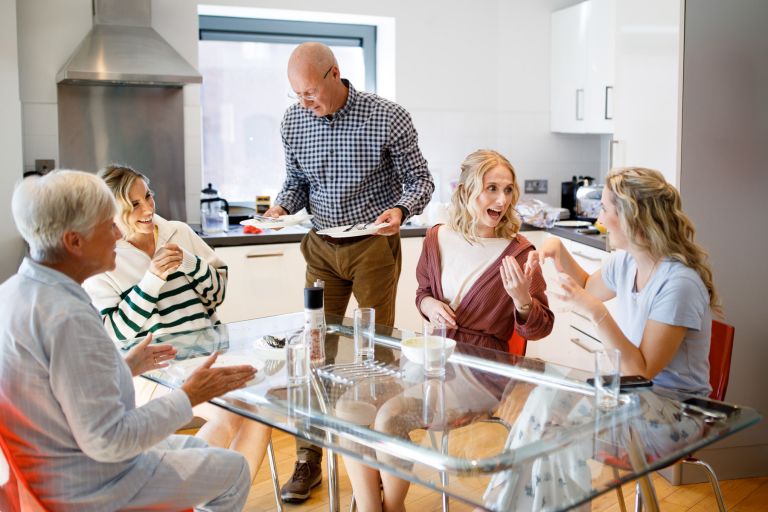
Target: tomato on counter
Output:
[(251, 230)]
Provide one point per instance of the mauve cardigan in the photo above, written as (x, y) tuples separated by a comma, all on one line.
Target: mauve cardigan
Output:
[(486, 316)]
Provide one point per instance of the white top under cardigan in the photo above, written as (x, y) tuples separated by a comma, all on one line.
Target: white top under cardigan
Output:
[(462, 263), (133, 301)]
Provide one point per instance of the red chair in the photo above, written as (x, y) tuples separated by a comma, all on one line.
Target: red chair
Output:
[(15, 494), (517, 344), (720, 350)]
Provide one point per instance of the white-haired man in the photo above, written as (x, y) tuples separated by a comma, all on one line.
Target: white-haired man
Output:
[(66, 394)]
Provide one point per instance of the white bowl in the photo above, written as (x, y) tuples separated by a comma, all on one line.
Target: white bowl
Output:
[(413, 348)]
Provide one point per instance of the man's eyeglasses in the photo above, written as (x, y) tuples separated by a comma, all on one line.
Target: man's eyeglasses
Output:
[(308, 97)]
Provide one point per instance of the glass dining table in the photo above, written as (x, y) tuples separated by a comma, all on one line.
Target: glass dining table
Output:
[(497, 431)]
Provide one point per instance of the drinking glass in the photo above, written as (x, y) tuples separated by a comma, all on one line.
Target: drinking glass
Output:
[(435, 350), (365, 328), (433, 407), (607, 378), (297, 358)]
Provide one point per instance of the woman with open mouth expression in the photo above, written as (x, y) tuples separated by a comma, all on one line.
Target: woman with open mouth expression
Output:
[(474, 273)]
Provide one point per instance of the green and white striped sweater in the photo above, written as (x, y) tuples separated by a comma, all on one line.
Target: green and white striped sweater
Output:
[(133, 301)]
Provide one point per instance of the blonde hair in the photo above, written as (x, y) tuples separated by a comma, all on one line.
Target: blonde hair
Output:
[(44, 208), (463, 214), (651, 214), (120, 178)]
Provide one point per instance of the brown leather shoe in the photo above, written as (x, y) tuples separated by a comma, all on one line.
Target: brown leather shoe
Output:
[(306, 475)]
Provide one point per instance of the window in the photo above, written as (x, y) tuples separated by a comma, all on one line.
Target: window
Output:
[(245, 94)]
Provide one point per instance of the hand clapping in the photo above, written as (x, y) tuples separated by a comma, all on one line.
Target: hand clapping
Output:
[(144, 357), (516, 281), (206, 383)]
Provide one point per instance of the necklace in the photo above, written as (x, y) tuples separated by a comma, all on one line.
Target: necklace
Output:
[(648, 277)]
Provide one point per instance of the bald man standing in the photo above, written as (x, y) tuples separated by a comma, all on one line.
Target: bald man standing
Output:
[(351, 157)]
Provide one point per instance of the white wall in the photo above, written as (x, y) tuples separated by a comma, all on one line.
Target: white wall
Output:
[(11, 247), (472, 74), (724, 182)]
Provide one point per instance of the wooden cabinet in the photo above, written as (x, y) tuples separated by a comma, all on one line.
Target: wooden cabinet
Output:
[(582, 68)]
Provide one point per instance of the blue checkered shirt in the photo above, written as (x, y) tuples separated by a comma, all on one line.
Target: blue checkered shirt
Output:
[(349, 167)]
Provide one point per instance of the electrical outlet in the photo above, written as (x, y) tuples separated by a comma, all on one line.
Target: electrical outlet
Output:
[(44, 166), (535, 186)]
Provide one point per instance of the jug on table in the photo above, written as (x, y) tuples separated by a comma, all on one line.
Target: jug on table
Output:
[(214, 211)]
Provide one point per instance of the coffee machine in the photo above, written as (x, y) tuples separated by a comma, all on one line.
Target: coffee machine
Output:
[(568, 192)]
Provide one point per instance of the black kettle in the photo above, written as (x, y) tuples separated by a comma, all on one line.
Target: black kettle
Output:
[(214, 211)]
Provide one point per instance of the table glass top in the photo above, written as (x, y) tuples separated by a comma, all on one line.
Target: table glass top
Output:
[(497, 431)]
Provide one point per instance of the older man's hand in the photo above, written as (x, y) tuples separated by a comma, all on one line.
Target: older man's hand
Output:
[(393, 216), (275, 211), (206, 383), (144, 357)]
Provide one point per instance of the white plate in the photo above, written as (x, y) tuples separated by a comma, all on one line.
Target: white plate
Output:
[(573, 224), (280, 222), (341, 231)]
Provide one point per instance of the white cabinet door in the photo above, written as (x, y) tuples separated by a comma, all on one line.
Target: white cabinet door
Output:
[(648, 92), (406, 314), (263, 280), (572, 341), (568, 69), (582, 68), (601, 58), (268, 280)]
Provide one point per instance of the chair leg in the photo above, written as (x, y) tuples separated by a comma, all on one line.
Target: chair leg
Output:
[(712, 480), (443, 474), (638, 497), (619, 492), (275, 479)]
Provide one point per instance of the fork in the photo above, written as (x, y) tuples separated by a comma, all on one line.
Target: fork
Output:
[(350, 228)]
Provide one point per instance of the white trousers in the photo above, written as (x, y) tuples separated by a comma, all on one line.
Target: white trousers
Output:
[(192, 475)]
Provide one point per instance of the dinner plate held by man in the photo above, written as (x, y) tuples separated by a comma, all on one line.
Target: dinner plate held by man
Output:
[(353, 230), (277, 222)]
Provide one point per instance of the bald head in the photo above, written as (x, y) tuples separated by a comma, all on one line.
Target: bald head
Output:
[(315, 78), (310, 59)]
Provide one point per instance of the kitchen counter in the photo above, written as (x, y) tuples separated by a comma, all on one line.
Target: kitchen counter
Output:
[(293, 234), (596, 241)]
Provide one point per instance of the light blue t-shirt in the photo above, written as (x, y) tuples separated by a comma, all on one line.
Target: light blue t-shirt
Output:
[(675, 295)]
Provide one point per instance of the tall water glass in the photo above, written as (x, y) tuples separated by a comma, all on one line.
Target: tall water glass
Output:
[(297, 358), (607, 378), (434, 349), (365, 329)]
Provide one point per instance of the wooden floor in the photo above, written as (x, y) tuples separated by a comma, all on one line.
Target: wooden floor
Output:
[(746, 495)]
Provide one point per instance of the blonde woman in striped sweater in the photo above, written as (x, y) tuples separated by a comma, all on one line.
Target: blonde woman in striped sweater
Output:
[(166, 279)]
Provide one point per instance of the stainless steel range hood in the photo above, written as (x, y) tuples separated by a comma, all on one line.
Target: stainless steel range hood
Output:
[(123, 48)]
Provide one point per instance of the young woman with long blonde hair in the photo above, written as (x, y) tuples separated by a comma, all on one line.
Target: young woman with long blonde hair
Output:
[(660, 277)]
